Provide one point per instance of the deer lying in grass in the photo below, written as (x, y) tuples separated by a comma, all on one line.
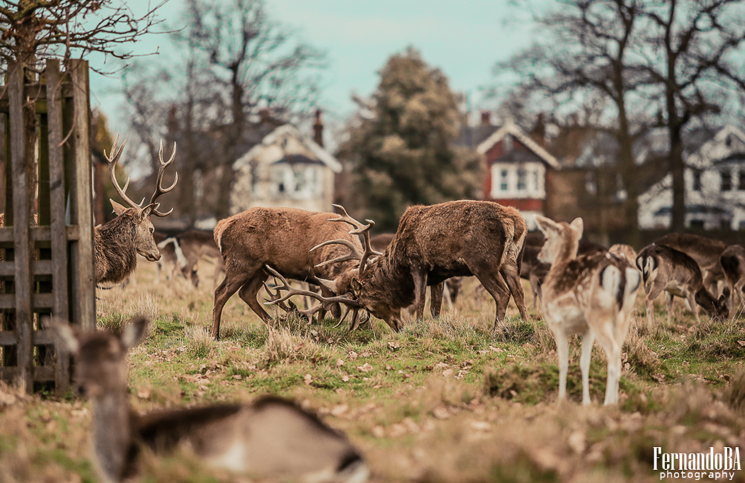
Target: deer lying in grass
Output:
[(704, 251), (591, 295), (432, 244), (282, 238), (733, 265), (118, 241), (678, 275), (269, 438)]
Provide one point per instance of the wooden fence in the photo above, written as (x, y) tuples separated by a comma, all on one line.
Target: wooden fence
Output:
[(48, 226)]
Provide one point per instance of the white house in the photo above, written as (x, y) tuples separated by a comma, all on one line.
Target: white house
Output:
[(285, 169), (714, 187)]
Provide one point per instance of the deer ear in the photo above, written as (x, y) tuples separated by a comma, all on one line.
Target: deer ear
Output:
[(134, 332), (67, 336), (546, 225), (578, 226), (329, 284), (118, 209)]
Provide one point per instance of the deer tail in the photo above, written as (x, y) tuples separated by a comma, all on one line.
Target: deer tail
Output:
[(614, 282)]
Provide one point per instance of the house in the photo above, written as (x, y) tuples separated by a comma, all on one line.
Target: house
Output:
[(714, 184), (286, 169), (517, 169)]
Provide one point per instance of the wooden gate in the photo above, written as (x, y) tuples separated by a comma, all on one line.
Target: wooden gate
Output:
[(48, 228)]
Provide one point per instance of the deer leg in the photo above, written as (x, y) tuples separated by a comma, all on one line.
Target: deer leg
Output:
[(219, 269), (494, 284), (602, 327), (511, 275), (435, 301), (420, 287), (227, 288), (693, 306), (669, 298), (584, 364), (250, 290), (562, 349), (653, 291), (448, 297)]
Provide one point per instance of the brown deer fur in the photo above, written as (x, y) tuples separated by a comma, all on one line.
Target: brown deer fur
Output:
[(269, 438), (118, 242), (704, 251), (733, 264), (281, 238), (434, 243), (678, 275), (590, 295), (194, 245)]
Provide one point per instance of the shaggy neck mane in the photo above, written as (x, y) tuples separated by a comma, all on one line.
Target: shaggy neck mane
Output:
[(115, 254), (386, 271)]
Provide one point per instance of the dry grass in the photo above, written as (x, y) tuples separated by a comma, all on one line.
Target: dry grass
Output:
[(444, 400)]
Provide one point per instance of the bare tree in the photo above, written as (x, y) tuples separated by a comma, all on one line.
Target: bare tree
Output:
[(693, 54)]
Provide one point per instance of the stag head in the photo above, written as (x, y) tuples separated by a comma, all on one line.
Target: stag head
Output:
[(140, 215)]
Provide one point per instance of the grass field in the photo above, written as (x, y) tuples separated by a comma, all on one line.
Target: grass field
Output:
[(443, 400)]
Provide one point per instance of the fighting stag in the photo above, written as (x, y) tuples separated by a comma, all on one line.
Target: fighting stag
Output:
[(590, 295), (270, 438), (118, 241), (281, 238), (432, 244)]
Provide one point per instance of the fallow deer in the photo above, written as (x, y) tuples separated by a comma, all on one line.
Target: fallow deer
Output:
[(591, 295), (432, 244), (678, 275), (733, 264), (281, 238), (704, 251), (625, 250), (271, 437), (118, 241), (171, 257), (534, 271), (195, 245)]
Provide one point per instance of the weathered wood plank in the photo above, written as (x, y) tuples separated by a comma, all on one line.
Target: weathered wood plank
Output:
[(22, 172), (58, 231), (38, 267), (86, 289), (39, 301)]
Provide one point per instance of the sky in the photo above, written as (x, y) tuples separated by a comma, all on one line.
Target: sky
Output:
[(462, 38)]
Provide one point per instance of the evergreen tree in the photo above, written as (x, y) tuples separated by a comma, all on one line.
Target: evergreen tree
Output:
[(404, 153)]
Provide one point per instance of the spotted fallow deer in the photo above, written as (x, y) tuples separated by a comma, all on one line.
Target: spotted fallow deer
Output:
[(432, 244), (733, 264), (118, 241), (281, 238), (590, 295), (678, 275), (270, 438), (704, 251), (625, 250)]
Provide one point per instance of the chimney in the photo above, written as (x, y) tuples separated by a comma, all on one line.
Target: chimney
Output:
[(539, 130), (318, 129), (485, 118), (265, 115)]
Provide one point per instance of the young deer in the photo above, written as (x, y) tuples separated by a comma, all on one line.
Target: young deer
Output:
[(118, 242), (733, 264), (591, 295), (271, 437), (678, 275)]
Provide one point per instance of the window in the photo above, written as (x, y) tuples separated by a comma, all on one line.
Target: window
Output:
[(696, 180), (522, 179), (503, 180), (726, 180), (741, 179), (536, 182)]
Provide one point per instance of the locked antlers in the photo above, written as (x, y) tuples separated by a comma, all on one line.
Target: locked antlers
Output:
[(363, 231)]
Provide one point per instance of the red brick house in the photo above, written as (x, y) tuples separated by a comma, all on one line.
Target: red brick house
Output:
[(517, 168)]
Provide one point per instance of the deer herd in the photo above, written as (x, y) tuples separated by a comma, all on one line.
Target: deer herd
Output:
[(583, 288)]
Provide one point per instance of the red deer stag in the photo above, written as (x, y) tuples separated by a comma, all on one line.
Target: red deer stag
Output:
[(591, 295), (733, 264), (704, 251), (678, 275), (281, 238), (432, 244), (270, 438), (118, 241)]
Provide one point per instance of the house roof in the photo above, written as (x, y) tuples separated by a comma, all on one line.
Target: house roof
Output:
[(509, 127), (289, 130)]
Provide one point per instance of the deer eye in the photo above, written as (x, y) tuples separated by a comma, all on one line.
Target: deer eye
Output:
[(152, 230)]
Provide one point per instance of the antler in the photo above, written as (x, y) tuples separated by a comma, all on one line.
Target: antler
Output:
[(361, 230), (291, 291), (159, 190), (117, 153)]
